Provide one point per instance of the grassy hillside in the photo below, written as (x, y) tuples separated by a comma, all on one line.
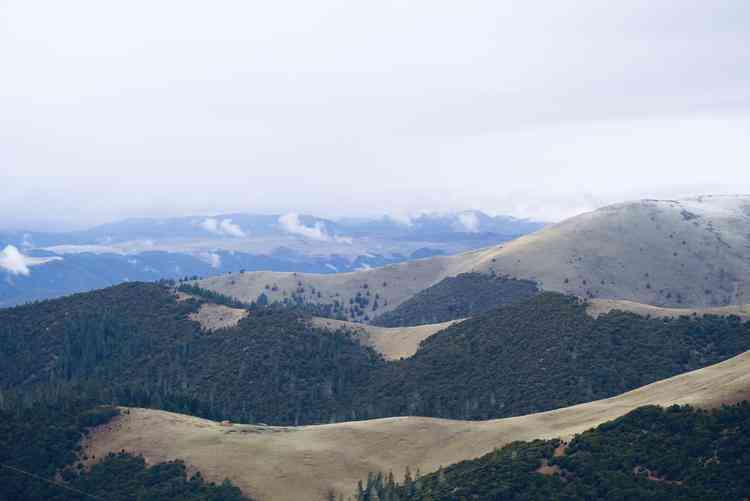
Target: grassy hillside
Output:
[(292, 463), (677, 453), (359, 295), (675, 253), (457, 297), (391, 342), (601, 306)]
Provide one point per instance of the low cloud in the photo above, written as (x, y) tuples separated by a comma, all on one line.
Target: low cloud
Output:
[(401, 218), (291, 224), (343, 240), (224, 228), (468, 221), (16, 263), (212, 258)]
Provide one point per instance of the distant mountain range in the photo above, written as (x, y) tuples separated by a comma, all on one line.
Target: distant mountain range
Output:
[(38, 265), (692, 253)]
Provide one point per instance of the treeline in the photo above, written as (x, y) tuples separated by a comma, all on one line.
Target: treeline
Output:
[(652, 453), (462, 296), (216, 297), (134, 344), (41, 456)]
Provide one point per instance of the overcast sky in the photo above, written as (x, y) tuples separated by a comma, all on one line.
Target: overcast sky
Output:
[(539, 109)]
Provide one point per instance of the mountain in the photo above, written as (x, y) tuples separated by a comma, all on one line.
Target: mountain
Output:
[(689, 253), (39, 265), (528, 347), (668, 253)]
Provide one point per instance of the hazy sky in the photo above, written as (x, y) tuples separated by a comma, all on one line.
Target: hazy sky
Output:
[(541, 109)]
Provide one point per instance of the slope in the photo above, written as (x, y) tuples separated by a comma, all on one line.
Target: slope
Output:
[(602, 306), (137, 344), (291, 463), (689, 253), (391, 342)]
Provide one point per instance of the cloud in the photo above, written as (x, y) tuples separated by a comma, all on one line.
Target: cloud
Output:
[(291, 224), (343, 240), (17, 263), (468, 222), (211, 258), (401, 218), (225, 227)]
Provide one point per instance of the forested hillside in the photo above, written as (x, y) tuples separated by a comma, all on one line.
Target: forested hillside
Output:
[(134, 344), (41, 458), (545, 353), (652, 453), (457, 297)]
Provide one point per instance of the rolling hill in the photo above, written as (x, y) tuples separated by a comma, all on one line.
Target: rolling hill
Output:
[(144, 345), (292, 463), (692, 253)]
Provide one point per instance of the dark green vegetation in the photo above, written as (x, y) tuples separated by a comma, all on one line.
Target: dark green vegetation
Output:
[(212, 296), (40, 439), (456, 297), (652, 453), (135, 345), (546, 353)]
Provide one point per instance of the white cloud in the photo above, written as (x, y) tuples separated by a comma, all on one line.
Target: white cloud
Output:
[(211, 258), (224, 227), (401, 218), (291, 224), (211, 225), (468, 222), (343, 240), (231, 229), (17, 263)]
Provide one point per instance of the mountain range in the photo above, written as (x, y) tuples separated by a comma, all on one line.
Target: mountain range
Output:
[(603, 357), (39, 265)]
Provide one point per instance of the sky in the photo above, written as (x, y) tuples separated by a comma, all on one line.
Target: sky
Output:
[(340, 108)]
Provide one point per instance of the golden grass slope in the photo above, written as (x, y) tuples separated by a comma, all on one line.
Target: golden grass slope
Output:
[(216, 316), (690, 253), (295, 463), (598, 307), (393, 284), (391, 342)]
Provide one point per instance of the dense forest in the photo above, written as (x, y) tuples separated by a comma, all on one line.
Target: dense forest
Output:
[(134, 344), (457, 297), (41, 458), (542, 354), (652, 453)]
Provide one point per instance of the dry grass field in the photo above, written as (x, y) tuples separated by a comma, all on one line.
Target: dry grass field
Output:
[(391, 342), (294, 463), (601, 306), (216, 316)]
